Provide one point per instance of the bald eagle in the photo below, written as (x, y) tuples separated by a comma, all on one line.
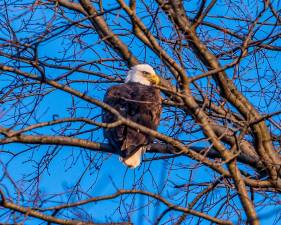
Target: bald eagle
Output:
[(138, 101)]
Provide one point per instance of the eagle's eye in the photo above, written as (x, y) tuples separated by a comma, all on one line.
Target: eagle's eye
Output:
[(145, 73)]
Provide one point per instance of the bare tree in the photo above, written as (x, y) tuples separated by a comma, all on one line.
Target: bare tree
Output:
[(216, 157)]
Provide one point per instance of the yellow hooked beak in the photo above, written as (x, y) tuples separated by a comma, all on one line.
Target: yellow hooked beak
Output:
[(154, 79)]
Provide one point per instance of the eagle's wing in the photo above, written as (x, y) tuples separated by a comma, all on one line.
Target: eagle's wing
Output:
[(116, 97), (139, 103)]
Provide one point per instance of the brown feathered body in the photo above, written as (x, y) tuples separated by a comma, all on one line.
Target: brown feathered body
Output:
[(139, 103)]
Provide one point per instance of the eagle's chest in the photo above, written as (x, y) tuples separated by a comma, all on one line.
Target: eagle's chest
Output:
[(142, 99)]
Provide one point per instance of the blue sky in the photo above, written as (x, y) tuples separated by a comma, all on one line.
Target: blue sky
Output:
[(106, 174)]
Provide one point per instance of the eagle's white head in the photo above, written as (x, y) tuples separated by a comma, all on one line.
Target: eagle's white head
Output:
[(143, 74)]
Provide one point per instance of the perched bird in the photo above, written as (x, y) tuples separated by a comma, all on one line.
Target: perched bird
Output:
[(138, 100)]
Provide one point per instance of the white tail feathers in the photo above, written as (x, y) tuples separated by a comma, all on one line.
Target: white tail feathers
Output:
[(134, 160)]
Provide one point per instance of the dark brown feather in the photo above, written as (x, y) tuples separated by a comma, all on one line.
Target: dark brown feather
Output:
[(139, 103)]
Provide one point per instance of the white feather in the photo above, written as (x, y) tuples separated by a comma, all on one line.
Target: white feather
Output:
[(134, 160), (135, 74)]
